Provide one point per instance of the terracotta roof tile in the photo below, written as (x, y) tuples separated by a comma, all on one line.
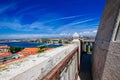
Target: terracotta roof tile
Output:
[(29, 51), (5, 54), (4, 47)]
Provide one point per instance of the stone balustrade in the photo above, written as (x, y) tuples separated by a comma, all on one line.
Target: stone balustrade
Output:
[(87, 46), (67, 69), (36, 67)]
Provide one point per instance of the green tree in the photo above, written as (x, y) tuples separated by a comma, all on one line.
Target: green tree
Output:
[(41, 47), (40, 51), (15, 49)]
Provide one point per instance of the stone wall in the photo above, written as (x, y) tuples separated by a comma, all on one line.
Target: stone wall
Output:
[(35, 67), (106, 55)]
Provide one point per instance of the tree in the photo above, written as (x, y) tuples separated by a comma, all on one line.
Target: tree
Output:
[(15, 49), (41, 47), (40, 51)]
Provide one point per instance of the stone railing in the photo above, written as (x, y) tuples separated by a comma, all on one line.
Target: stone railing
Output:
[(67, 69), (59, 64), (87, 46)]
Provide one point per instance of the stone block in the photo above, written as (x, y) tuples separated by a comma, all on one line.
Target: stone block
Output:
[(106, 55)]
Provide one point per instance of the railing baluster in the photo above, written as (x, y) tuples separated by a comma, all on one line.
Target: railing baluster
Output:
[(66, 69)]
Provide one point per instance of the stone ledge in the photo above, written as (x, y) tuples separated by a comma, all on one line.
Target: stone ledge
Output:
[(35, 66)]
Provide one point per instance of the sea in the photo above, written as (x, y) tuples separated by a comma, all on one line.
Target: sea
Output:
[(28, 44)]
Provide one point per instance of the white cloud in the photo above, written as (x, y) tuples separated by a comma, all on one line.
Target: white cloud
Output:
[(73, 26), (69, 17), (94, 31), (88, 32), (65, 30), (27, 27), (79, 22), (10, 24), (27, 9), (26, 36), (7, 7)]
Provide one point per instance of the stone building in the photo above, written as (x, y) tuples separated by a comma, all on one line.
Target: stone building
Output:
[(106, 56), (4, 51)]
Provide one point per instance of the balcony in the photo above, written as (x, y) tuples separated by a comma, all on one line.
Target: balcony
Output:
[(58, 64), (61, 63)]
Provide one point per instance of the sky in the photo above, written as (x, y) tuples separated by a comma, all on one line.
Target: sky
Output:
[(49, 18)]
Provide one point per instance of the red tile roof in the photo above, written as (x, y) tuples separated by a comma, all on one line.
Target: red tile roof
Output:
[(29, 51), (5, 54), (4, 47)]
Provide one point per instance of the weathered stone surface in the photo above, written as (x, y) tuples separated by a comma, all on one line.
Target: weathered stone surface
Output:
[(108, 20), (112, 67), (106, 55), (36, 66)]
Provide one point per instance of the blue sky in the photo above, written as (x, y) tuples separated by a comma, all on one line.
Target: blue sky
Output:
[(49, 18)]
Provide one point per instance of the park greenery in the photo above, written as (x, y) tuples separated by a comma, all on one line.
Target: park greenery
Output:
[(14, 49), (41, 50), (41, 47)]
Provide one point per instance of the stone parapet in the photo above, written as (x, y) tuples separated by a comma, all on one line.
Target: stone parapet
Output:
[(35, 66)]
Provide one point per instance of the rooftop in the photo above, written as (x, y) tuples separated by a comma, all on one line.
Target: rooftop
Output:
[(29, 50), (4, 47), (5, 54)]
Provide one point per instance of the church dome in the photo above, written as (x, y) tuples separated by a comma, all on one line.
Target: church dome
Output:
[(75, 35)]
